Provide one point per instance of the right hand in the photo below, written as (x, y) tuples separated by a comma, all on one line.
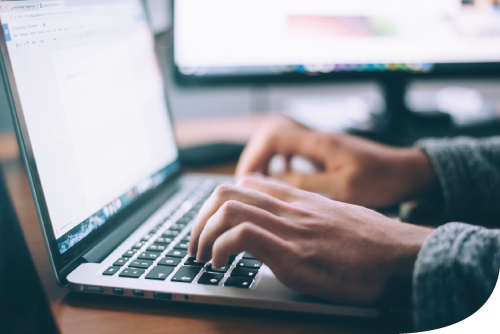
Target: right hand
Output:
[(342, 252), (352, 169)]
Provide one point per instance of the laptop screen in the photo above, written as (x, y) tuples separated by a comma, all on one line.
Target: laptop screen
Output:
[(93, 102)]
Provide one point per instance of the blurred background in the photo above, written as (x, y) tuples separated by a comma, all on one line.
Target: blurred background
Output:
[(466, 98)]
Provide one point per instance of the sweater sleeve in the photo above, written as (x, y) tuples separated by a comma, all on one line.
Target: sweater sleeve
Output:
[(468, 171), (455, 273)]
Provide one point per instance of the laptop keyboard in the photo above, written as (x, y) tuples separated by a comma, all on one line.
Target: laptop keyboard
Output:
[(161, 254)]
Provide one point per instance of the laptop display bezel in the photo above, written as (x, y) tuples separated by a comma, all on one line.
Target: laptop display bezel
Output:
[(59, 261)]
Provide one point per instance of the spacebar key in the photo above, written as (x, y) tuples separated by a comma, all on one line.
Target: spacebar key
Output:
[(186, 274)]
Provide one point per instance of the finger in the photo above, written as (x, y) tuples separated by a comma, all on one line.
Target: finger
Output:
[(256, 155), (316, 182), (262, 244), (231, 214), (270, 186), (259, 151), (227, 192)]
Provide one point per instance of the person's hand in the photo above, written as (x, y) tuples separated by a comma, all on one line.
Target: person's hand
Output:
[(352, 169), (318, 246)]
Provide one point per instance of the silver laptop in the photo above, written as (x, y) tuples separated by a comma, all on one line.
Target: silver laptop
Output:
[(88, 100)]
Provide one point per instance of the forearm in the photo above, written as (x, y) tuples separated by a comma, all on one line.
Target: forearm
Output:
[(468, 172), (455, 273)]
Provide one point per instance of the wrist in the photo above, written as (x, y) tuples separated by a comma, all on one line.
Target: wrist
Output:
[(410, 238), (417, 173)]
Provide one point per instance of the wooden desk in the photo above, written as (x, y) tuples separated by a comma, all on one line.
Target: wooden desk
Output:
[(81, 313)]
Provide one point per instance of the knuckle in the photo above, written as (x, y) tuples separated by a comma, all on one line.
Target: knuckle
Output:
[(245, 180), (249, 179), (245, 231), (223, 191), (229, 209)]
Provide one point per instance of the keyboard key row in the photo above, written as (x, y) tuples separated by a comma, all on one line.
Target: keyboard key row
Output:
[(145, 264), (248, 263), (149, 255), (241, 277)]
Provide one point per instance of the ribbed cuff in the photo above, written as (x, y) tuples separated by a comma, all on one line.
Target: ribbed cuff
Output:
[(455, 273)]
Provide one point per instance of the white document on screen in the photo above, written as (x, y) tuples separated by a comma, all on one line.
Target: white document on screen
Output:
[(106, 127)]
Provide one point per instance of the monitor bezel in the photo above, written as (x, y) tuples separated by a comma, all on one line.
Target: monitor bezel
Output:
[(439, 71), (73, 256)]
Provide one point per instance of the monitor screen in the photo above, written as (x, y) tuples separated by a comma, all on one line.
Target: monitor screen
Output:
[(91, 95), (226, 37)]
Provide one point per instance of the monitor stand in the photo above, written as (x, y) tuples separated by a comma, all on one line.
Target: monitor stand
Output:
[(400, 126)]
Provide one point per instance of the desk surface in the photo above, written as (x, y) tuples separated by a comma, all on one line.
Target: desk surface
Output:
[(82, 313)]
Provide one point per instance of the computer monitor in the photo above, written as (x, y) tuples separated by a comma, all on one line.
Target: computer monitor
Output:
[(288, 40)]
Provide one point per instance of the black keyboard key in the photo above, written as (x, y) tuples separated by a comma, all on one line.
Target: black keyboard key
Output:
[(149, 255), (132, 273), (120, 262), (218, 270), (147, 237), (191, 214), (174, 231), (186, 274), (247, 255), (177, 227), (159, 273), (138, 245), (170, 261), (182, 245), (157, 247), (188, 216), (111, 271), (129, 253), (169, 234), (191, 261), (210, 278), (145, 264), (248, 263), (186, 239), (232, 258), (165, 241), (239, 282), (153, 231), (181, 223), (244, 272), (177, 253)]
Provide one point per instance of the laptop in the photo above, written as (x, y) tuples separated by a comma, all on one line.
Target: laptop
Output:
[(88, 99), (24, 307)]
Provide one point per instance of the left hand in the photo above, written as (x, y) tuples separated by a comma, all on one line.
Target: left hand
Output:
[(318, 246)]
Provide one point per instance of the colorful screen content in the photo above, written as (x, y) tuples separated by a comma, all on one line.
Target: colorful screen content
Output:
[(225, 37), (91, 94)]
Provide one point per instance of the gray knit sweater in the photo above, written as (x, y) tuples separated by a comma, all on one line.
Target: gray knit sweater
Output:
[(458, 265)]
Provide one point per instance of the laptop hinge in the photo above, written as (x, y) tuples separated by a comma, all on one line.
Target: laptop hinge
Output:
[(109, 243)]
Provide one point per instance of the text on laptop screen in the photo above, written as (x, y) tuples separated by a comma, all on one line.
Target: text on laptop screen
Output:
[(92, 97)]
